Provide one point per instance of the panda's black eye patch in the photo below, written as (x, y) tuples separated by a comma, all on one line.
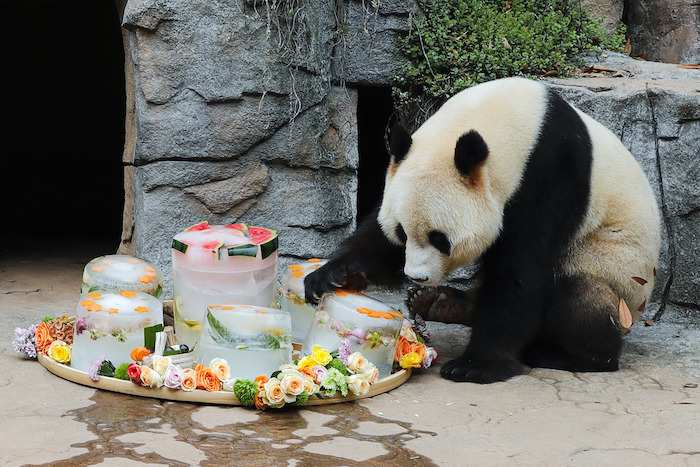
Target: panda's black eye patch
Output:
[(440, 241), (401, 234)]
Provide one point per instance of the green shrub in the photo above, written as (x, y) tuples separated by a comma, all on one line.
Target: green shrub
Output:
[(459, 43)]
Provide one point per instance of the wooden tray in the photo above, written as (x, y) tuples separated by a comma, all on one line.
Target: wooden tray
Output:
[(198, 395)]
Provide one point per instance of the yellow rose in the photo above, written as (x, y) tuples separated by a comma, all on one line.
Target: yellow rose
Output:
[(358, 384), (59, 351), (160, 363), (306, 363), (410, 360), (320, 355)]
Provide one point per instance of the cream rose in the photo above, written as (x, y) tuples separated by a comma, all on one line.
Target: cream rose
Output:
[(292, 383), (356, 362), (358, 384), (408, 333), (160, 363), (371, 373), (220, 368), (150, 377), (274, 395)]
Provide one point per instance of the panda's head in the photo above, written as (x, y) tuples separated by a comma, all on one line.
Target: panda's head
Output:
[(439, 200)]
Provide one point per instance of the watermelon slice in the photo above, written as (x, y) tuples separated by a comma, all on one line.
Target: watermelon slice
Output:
[(201, 226), (237, 239)]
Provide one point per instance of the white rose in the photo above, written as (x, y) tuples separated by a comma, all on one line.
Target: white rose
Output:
[(409, 334), (358, 384), (151, 377), (430, 356)]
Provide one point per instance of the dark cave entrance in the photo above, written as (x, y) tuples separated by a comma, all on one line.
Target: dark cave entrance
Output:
[(375, 107), (63, 123)]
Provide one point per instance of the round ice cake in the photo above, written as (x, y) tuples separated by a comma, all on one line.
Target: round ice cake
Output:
[(111, 323), (252, 339), (220, 264), (292, 296), (122, 272), (370, 326)]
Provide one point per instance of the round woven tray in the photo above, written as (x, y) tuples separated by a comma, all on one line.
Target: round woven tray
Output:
[(219, 397), (200, 396)]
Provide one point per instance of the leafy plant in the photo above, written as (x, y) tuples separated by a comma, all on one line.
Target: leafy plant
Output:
[(457, 44)]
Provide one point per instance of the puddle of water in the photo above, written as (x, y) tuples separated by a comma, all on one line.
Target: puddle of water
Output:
[(267, 441)]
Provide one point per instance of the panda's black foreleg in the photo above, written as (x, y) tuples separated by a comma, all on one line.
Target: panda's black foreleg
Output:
[(507, 316), (578, 332), (365, 257)]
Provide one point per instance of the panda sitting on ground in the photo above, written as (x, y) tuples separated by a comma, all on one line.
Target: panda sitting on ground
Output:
[(558, 213)]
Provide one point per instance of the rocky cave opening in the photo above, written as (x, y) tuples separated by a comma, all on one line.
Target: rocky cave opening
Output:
[(375, 108), (63, 124)]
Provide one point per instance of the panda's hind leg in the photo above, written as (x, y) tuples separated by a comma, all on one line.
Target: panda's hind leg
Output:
[(578, 332)]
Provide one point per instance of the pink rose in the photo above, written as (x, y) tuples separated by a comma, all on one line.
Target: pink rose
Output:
[(430, 356), (172, 378)]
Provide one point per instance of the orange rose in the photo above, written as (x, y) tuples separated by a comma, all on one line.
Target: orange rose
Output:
[(403, 347), (261, 380), (206, 379), (189, 380), (138, 353), (308, 372), (257, 400), (43, 337)]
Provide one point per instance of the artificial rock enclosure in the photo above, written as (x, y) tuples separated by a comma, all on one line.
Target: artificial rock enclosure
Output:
[(239, 111)]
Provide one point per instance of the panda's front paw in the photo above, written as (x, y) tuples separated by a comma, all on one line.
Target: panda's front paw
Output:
[(335, 274), (466, 369)]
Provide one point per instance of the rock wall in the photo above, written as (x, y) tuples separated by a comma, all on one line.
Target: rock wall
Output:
[(229, 126)]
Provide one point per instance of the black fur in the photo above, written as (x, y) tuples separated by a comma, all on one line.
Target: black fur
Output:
[(470, 151), (365, 257), (525, 311), (399, 142)]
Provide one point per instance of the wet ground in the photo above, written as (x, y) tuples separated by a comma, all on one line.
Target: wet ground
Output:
[(648, 413)]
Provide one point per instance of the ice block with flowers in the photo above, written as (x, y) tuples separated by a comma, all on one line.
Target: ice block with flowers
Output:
[(292, 296), (252, 339), (122, 272), (111, 324), (214, 264), (370, 327)]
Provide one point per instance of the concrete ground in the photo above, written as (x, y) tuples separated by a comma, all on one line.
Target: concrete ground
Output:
[(646, 414)]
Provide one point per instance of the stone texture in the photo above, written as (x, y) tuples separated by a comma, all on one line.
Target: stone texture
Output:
[(366, 52), (665, 30), (608, 12)]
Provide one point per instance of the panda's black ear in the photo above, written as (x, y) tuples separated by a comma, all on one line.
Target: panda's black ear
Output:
[(398, 141), (470, 151)]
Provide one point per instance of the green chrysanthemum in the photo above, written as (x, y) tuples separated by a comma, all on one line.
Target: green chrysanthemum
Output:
[(120, 372), (245, 391), (301, 398), (338, 365)]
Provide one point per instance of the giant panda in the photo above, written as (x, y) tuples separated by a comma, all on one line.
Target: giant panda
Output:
[(559, 215)]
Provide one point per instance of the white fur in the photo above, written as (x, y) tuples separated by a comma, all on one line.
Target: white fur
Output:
[(471, 218), (620, 235)]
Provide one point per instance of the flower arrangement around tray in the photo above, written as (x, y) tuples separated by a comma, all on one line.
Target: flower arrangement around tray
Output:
[(322, 374)]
